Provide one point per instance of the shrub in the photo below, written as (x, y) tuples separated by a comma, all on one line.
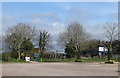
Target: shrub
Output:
[(6, 56), (14, 55), (0, 56), (13, 59)]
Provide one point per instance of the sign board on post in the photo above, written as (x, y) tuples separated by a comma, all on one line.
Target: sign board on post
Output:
[(101, 49), (27, 59)]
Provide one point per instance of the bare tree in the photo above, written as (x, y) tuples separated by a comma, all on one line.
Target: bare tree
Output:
[(111, 34), (43, 40), (15, 36), (77, 34)]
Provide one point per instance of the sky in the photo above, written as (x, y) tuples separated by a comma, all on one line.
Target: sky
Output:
[(56, 16)]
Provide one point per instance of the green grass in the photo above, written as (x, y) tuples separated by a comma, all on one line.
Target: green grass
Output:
[(0, 61), (14, 61), (73, 60), (89, 60), (94, 60), (59, 60)]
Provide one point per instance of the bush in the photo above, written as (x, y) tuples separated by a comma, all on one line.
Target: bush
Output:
[(6, 56), (78, 60), (70, 50), (0, 56), (14, 55), (13, 59)]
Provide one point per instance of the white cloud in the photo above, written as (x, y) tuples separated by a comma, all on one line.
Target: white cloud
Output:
[(36, 21), (7, 21), (57, 28), (51, 21), (76, 14), (96, 30), (47, 16)]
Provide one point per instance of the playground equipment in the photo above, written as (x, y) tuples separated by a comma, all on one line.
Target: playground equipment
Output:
[(36, 56), (32, 55)]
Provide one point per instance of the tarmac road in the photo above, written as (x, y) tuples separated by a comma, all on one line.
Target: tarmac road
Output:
[(59, 69)]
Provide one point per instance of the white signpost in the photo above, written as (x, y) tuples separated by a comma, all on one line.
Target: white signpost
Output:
[(27, 59), (101, 49)]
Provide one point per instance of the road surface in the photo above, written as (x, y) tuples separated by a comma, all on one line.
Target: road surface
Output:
[(59, 69)]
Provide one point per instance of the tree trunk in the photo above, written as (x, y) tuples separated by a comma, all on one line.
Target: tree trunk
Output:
[(18, 52), (78, 55), (109, 53), (19, 55)]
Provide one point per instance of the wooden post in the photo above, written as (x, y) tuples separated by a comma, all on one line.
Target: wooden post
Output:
[(41, 59)]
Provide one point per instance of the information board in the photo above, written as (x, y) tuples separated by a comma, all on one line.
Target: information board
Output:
[(27, 59), (101, 49)]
